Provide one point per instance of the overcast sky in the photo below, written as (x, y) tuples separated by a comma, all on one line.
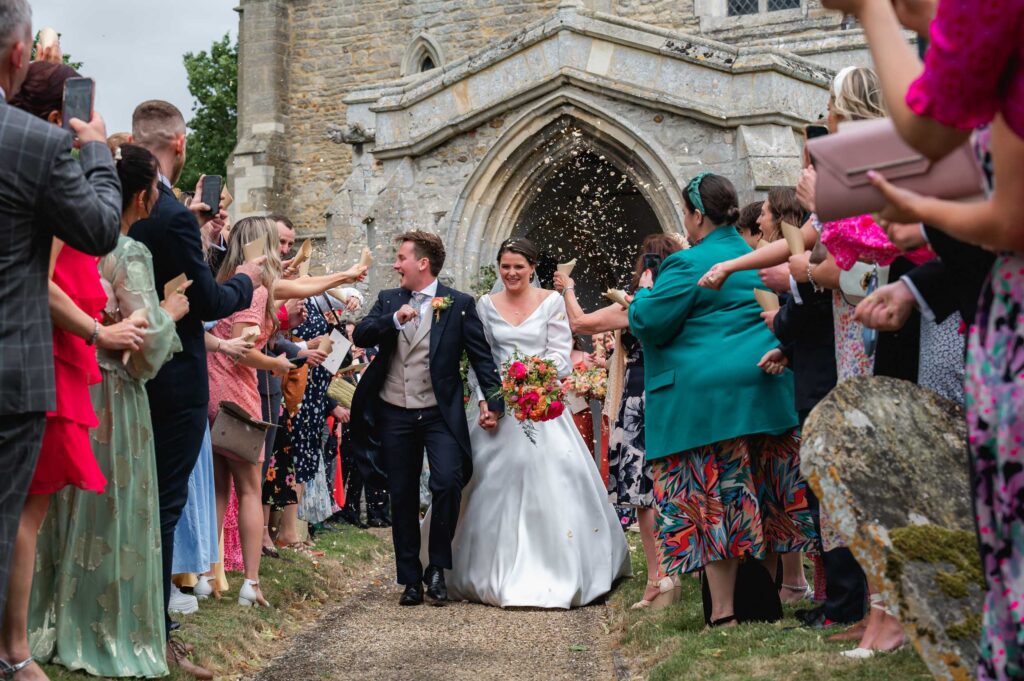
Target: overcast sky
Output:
[(133, 48)]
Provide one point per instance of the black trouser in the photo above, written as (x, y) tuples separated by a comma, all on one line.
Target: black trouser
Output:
[(377, 502), (178, 436), (404, 433), (21, 436), (270, 406)]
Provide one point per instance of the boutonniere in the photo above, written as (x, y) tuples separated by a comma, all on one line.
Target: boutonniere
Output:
[(438, 305)]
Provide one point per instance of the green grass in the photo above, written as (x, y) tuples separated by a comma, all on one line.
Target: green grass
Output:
[(233, 641), (671, 644)]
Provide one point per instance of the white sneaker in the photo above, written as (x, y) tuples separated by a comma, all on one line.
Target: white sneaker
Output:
[(183, 604)]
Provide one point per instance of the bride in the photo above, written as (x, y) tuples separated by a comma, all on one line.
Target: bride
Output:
[(536, 528)]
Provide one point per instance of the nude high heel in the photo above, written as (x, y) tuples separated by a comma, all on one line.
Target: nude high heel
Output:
[(667, 595)]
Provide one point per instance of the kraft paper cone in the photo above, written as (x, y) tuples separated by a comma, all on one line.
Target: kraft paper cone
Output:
[(567, 267), (349, 369), (616, 296), (326, 345), (366, 258), (304, 268), (305, 250), (794, 238), (141, 313), (253, 249), (48, 37), (174, 284), (225, 198), (766, 299), (250, 334)]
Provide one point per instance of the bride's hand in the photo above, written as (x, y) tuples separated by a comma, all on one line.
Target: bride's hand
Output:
[(488, 419)]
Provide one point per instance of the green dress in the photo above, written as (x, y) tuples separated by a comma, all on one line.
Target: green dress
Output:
[(97, 596), (701, 349)]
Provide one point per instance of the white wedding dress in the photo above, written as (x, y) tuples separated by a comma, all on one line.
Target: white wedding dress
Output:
[(536, 528)]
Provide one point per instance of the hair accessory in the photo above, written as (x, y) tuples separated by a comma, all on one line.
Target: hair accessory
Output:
[(693, 191), (117, 154)]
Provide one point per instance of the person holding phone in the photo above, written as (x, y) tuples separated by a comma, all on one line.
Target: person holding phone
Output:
[(76, 300)]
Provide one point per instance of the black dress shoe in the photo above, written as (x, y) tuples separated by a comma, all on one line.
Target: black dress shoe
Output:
[(436, 589), (413, 595), (378, 522)]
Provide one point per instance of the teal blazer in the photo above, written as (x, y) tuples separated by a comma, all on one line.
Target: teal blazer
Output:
[(701, 349)]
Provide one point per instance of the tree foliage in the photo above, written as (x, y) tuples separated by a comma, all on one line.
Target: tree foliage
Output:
[(213, 82)]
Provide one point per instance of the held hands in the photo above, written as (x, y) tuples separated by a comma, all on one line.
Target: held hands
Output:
[(887, 309), (776, 278), (254, 270), (177, 304), (281, 365), (488, 419), (93, 131), (406, 313), (234, 348), (563, 282), (715, 277), (798, 265), (774, 362), (125, 335), (314, 358), (806, 188)]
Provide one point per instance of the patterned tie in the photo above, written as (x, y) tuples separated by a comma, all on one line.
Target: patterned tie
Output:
[(418, 298)]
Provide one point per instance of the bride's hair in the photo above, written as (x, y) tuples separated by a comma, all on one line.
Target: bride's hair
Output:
[(523, 247)]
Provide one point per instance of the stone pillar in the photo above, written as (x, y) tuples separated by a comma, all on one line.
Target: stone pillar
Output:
[(256, 168)]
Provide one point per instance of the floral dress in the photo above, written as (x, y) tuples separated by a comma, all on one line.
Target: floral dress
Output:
[(974, 72), (630, 481)]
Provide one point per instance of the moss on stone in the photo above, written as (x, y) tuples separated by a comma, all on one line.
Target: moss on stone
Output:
[(933, 544), (965, 629)]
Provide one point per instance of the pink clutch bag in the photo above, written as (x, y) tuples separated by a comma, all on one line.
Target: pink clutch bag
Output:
[(843, 160)]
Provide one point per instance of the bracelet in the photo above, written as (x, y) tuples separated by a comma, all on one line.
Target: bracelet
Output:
[(217, 349), (810, 279), (91, 340), (567, 289)]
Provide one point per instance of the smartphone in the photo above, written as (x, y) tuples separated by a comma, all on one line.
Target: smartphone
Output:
[(212, 186), (652, 261), (298, 361), (812, 131), (78, 99)]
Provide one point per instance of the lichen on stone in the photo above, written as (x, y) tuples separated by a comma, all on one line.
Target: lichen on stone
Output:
[(969, 628), (934, 544)]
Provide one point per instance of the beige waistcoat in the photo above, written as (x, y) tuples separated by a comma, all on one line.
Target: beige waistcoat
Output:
[(407, 383)]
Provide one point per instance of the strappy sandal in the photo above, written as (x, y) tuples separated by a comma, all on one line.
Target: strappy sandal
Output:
[(722, 620), (666, 587), (302, 547), (805, 591), (858, 653), (8, 670)]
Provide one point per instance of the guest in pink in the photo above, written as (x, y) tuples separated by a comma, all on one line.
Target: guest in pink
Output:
[(236, 382)]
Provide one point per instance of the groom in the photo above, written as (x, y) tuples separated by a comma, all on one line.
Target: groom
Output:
[(410, 398)]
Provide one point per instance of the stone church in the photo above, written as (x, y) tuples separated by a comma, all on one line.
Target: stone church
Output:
[(575, 123)]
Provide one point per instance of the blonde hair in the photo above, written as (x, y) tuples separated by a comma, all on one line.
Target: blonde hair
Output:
[(246, 231), (857, 94)]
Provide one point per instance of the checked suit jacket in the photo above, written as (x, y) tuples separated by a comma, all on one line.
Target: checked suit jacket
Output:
[(44, 192)]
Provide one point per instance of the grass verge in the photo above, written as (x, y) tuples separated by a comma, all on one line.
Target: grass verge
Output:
[(671, 644), (233, 641)]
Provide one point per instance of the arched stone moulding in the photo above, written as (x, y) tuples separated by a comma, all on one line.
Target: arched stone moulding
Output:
[(423, 45), (494, 196)]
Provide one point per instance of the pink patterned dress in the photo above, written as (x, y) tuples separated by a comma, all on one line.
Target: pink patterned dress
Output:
[(974, 70)]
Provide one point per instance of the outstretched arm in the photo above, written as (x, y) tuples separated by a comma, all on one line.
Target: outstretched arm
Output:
[(314, 286), (771, 255)]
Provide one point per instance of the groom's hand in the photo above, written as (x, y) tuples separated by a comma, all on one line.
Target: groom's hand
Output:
[(488, 419), (405, 313)]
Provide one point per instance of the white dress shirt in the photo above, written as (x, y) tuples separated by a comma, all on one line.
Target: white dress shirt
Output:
[(429, 291)]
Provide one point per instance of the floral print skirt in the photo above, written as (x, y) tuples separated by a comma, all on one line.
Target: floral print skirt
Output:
[(739, 497), (995, 421), (630, 480)]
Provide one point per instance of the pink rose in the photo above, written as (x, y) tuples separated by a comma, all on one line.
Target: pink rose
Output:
[(517, 371), (555, 409), (528, 399)]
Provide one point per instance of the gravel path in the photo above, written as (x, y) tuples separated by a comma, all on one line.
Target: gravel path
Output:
[(369, 636)]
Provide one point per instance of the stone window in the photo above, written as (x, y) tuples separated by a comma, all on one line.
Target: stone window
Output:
[(424, 54), (742, 7)]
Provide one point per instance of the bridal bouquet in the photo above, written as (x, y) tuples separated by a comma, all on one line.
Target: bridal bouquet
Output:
[(590, 384), (532, 391)]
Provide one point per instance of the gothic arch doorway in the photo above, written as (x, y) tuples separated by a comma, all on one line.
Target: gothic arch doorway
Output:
[(575, 181)]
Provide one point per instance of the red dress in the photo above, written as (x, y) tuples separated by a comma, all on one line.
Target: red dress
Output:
[(66, 457)]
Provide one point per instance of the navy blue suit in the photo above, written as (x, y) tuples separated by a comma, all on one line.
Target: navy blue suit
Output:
[(178, 395), (402, 434)]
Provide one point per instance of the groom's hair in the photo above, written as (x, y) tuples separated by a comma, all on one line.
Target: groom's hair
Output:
[(425, 245)]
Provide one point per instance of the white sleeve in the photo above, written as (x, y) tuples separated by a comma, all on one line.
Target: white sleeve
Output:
[(474, 382), (559, 342)]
